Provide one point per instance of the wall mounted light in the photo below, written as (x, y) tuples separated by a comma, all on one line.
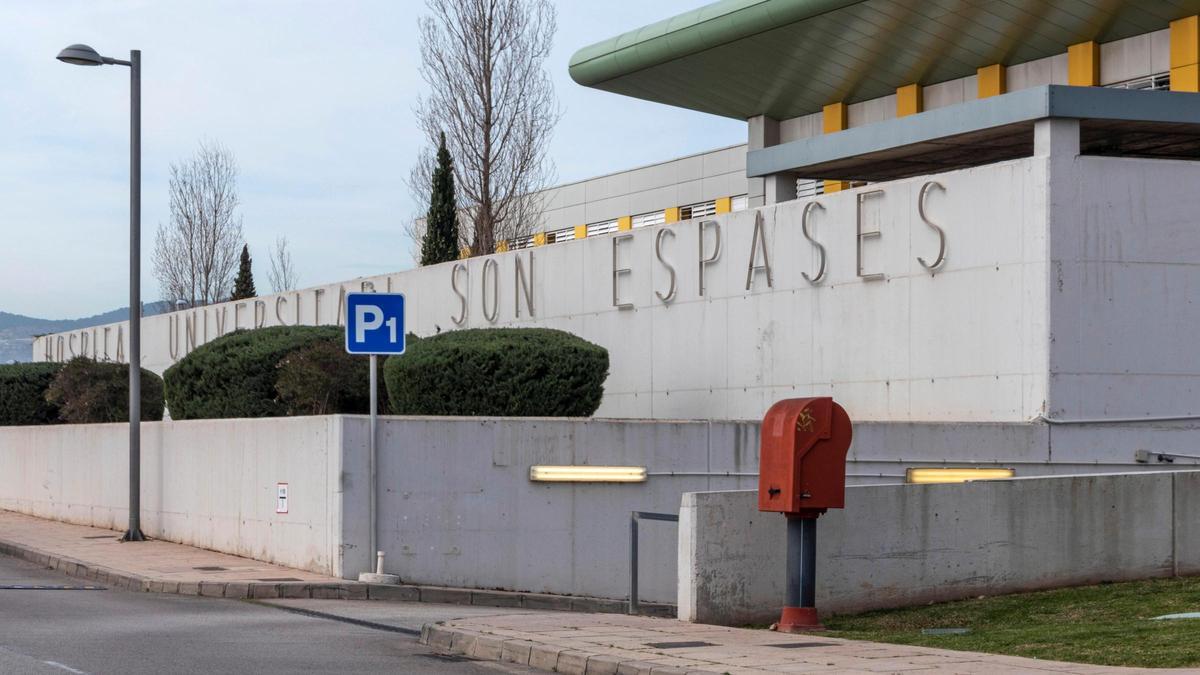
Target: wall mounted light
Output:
[(587, 474), (955, 475)]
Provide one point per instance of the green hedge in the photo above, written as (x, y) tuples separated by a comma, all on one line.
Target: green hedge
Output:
[(235, 375), (271, 372), (322, 379), (87, 391), (23, 393), (510, 372)]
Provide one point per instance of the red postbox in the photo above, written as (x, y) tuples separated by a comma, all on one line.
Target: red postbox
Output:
[(802, 473)]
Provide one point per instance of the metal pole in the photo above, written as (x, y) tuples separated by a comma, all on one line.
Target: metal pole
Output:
[(808, 557), (135, 297), (633, 563), (795, 564), (371, 457)]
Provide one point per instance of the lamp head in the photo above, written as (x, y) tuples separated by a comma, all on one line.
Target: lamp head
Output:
[(80, 55)]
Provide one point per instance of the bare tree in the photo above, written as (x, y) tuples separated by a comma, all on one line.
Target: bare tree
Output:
[(282, 274), (489, 93), (196, 254)]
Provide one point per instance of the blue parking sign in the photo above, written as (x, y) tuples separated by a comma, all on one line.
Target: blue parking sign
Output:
[(375, 323)]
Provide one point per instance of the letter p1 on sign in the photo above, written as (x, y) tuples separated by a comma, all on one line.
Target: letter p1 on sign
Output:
[(375, 323)]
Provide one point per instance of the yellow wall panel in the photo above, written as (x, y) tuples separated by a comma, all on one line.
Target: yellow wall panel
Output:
[(833, 117), (909, 100), (1083, 65), (992, 80), (1185, 54), (1185, 42), (671, 215), (724, 204), (580, 231), (1186, 78)]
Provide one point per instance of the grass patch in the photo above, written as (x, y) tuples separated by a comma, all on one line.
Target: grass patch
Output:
[(1105, 624)]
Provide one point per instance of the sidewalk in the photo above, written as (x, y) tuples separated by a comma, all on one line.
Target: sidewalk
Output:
[(157, 566), (607, 644), (165, 567)]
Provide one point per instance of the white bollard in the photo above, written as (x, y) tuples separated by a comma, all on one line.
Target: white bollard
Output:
[(378, 577)]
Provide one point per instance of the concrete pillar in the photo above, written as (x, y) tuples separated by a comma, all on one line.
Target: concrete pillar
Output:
[(763, 132), (1056, 137)]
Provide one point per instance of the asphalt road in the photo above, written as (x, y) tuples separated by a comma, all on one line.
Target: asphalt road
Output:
[(111, 631)]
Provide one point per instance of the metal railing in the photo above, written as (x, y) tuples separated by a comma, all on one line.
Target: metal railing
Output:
[(634, 517)]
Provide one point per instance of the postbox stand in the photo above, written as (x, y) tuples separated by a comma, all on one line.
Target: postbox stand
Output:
[(802, 473), (800, 606)]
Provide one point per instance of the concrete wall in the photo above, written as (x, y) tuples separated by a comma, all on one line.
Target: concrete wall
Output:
[(456, 506), (208, 483), (906, 346), (1125, 257), (458, 509), (678, 182), (900, 545)]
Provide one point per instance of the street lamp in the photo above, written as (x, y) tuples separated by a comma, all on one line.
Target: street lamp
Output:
[(83, 55)]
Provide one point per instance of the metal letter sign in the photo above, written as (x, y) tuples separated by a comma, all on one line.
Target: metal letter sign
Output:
[(375, 323)]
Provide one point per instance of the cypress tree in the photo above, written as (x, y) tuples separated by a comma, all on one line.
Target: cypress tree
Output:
[(243, 283), (440, 243)]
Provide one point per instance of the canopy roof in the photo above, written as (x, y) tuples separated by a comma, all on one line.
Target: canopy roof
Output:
[(786, 58)]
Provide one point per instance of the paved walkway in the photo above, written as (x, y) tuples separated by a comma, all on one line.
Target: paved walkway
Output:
[(160, 566), (613, 644)]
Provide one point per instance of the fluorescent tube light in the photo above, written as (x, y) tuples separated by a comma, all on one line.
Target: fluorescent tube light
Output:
[(955, 475), (587, 474)]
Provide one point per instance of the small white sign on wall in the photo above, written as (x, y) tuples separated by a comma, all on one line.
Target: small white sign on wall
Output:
[(281, 494)]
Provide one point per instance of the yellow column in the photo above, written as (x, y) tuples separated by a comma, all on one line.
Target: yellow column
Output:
[(539, 239), (724, 204), (833, 118), (909, 100), (671, 215), (581, 231), (991, 80), (624, 223), (1185, 54), (1083, 65)]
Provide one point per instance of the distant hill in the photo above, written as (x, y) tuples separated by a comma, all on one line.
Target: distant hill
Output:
[(17, 331)]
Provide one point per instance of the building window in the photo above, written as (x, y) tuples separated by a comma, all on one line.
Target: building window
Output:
[(1155, 82), (521, 242), (647, 219), (697, 210), (806, 187), (603, 227), (738, 203), (565, 234)]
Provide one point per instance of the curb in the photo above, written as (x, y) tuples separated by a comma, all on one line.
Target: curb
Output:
[(343, 590), (548, 657)]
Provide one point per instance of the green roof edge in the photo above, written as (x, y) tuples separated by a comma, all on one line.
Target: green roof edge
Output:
[(688, 33)]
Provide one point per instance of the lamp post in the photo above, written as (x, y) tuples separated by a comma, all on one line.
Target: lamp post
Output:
[(83, 55)]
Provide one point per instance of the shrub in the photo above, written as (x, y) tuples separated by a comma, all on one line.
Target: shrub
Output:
[(88, 391), (23, 393), (322, 379), (234, 375), (512, 372), (238, 375)]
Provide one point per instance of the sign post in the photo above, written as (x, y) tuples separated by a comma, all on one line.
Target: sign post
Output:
[(374, 326)]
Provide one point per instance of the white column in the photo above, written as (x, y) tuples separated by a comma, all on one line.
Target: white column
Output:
[(763, 132)]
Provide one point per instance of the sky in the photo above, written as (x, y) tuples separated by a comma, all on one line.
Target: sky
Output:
[(315, 100)]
